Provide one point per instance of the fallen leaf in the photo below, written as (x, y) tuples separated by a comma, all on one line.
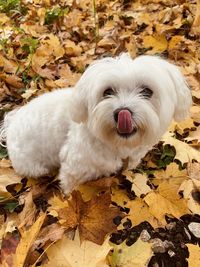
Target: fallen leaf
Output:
[(7, 177), (52, 233), (28, 214), (72, 253), (181, 127), (137, 255), (193, 169), (139, 182), (97, 218), (194, 255), (160, 206), (184, 152), (189, 188), (157, 43), (27, 239), (172, 175), (8, 249), (140, 212)]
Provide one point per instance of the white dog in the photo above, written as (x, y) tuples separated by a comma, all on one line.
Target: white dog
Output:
[(119, 108)]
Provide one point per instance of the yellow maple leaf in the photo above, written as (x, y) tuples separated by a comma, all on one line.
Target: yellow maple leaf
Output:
[(189, 187), (172, 174), (160, 206), (184, 152), (70, 253), (180, 127), (195, 113), (139, 182), (158, 43), (139, 212), (137, 255), (194, 255)]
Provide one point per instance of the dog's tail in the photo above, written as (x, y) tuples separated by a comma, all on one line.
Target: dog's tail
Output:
[(4, 126)]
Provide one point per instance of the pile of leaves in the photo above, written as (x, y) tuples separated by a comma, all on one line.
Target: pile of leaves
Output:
[(149, 216)]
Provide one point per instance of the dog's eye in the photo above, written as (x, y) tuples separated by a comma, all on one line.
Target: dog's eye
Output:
[(146, 92), (108, 92)]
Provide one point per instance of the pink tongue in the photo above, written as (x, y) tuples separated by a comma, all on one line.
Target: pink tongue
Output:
[(124, 124)]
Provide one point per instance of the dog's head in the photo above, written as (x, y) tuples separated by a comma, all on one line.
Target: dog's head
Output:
[(130, 102)]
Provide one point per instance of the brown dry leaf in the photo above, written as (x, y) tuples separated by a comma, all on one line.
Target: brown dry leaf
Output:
[(71, 49), (9, 66), (8, 249), (52, 233), (27, 240), (12, 80), (72, 253), (28, 214), (34, 30), (157, 43), (54, 46), (96, 218), (160, 206), (7, 177), (69, 217), (137, 255), (184, 152), (194, 170), (194, 255)]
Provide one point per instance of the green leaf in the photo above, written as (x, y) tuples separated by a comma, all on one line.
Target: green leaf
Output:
[(9, 5), (52, 15), (29, 44), (3, 152)]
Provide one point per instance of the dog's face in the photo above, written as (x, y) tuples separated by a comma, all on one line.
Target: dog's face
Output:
[(127, 102)]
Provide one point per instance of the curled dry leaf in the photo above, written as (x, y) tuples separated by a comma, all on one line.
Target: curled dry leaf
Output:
[(27, 216), (28, 238)]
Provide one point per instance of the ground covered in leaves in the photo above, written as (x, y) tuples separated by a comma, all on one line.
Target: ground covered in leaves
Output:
[(146, 217)]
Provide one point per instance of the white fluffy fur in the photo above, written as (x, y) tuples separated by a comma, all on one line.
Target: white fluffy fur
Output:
[(74, 129)]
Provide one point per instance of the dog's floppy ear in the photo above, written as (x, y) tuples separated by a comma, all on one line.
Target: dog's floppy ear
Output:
[(78, 108), (183, 93)]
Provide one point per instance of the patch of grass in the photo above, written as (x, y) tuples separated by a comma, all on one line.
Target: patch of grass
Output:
[(54, 14), (3, 152), (29, 44), (12, 6), (167, 156)]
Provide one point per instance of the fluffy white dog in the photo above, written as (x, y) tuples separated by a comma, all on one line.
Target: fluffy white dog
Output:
[(119, 108)]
